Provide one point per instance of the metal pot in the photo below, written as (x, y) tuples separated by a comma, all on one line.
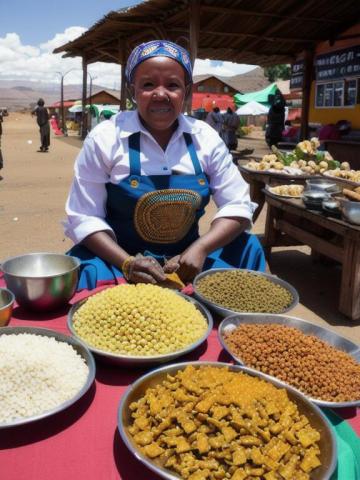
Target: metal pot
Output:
[(42, 281), (7, 300), (350, 211)]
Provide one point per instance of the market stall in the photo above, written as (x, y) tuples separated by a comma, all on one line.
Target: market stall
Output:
[(303, 162), (97, 112), (333, 92), (83, 440)]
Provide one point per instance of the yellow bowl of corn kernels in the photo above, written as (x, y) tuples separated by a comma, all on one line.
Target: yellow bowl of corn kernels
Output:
[(139, 324)]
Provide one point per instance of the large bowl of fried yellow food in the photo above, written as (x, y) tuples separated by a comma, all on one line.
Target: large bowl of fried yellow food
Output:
[(232, 290), (139, 324), (209, 421)]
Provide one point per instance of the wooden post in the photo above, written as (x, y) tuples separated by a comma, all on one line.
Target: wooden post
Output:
[(194, 30), (84, 90), (306, 90), (62, 109), (123, 93)]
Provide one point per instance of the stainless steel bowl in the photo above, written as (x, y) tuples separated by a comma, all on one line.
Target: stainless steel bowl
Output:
[(328, 336), (322, 184), (315, 196), (350, 211), (327, 444), (331, 204), (224, 312), (41, 281), (80, 349), (139, 361), (7, 300), (313, 199)]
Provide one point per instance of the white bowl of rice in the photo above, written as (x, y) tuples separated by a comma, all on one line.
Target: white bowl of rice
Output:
[(42, 372)]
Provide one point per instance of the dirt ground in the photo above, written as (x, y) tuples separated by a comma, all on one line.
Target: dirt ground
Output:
[(33, 193)]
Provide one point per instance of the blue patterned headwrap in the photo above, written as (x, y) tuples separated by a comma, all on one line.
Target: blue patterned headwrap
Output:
[(158, 48)]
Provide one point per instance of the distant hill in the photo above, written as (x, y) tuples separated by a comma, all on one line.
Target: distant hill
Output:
[(23, 89), (22, 95)]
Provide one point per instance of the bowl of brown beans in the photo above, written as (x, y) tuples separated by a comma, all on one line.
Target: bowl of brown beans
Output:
[(318, 362), (209, 420), (232, 290)]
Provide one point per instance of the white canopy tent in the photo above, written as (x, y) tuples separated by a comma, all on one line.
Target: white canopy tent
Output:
[(252, 108)]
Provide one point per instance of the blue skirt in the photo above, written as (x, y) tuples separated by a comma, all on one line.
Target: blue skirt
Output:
[(243, 252)]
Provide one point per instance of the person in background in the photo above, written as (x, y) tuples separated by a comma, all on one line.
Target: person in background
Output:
[(42, 118), (230, 125), (333, 131), (275, 119), (143, 180), (290, 132), (1, 157), (215, 119)]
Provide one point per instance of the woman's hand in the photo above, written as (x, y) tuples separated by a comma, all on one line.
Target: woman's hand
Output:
[(145, 270), (191, 262), (188, 264)]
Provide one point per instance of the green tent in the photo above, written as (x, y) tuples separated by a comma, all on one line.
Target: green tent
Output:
[(261, 96), (105, 111)]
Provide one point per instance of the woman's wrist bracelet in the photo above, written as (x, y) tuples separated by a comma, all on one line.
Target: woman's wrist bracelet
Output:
[(125, 267)]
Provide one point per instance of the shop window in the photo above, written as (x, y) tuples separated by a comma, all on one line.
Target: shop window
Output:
[(320, 95), (341, 93), (226, 89), (329, 95), (338, 94), (350, 92)]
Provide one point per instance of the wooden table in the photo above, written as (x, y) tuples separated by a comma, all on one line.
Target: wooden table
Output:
[(257, 180), (289, 222)]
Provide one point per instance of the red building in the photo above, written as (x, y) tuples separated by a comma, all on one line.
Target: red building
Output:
[(211, 91)]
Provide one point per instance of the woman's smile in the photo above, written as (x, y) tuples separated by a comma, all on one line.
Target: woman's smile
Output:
[(159, 90)]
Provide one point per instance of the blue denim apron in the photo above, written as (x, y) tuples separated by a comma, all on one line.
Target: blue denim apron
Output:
[(122, 199)]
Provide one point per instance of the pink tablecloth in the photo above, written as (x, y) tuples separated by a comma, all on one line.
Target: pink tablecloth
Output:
[(83, 442)]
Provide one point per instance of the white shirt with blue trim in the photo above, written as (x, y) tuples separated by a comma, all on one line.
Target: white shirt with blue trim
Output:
[(104, 158)]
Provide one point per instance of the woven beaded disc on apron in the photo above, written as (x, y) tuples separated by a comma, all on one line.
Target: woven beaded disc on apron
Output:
[(166, 216)]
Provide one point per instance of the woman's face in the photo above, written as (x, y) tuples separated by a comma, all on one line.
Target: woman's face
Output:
[(159, 89)]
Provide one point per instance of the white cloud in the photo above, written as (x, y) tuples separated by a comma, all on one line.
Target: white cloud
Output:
[(61, 38), (38, 63), (222, 69)]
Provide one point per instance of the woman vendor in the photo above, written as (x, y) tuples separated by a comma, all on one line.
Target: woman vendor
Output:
[(143, 179)]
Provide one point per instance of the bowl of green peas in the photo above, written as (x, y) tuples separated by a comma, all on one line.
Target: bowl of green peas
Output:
[(227, 291)]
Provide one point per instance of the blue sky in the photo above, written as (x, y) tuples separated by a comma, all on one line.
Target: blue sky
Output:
[(36, 20), (31, 29)]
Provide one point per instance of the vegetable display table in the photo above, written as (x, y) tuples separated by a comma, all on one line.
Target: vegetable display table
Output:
[(257, 179)]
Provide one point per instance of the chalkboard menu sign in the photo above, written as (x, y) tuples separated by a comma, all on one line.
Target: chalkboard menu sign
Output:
[(297, 75), (338, 64)]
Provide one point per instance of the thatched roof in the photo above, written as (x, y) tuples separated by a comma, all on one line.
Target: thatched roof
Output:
[(265, 32)]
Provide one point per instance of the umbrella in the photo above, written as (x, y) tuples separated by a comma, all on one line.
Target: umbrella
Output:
[(76, 108), (252, 108)]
